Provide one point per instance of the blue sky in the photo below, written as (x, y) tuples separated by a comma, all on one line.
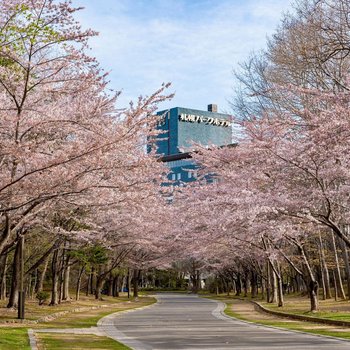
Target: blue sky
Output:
[(194, 44)]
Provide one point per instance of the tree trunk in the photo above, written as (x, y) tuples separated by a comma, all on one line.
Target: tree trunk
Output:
[(274, 294), (55, 278), (100, 280), (228, 286), (3, 270), (245, 285), (216, 285), (13, 299), (61, 268), (41, 276), (278, 283), (198, 280), (6, 232), (322, 273), (297, 283), (325, 271), (110, 285), (313, 284), (323, 281), (254, 284), (66, 280), (268, 282), (80, 275), (195, 281), (135, 281), (116, 286), (262, 282), (65, 272), (347, 265), (238, 285), (124, 283), (128, 283), (33, 281), (337, 267), (335, 287), (88, 282), (92, 277), (280, 290), (313, 291)]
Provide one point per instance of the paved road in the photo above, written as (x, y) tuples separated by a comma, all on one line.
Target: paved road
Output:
[(187, 322)]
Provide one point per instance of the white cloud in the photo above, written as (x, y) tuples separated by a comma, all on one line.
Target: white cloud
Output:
[(194, 46)]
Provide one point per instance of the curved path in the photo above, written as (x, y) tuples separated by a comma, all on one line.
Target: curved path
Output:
[(181, 321)]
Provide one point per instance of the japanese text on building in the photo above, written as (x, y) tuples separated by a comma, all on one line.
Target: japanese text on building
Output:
[(191, 118)]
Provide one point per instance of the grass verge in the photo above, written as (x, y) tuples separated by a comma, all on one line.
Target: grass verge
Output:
[(77, 342), (329, 309), (89, 318), (13, 336), (245, 311), (300, 305)]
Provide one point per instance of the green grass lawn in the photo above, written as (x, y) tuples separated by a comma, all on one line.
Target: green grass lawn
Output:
[(16, 337), (300, 326), (329, 309), (300, 305), (52, 341), (308, 327), (90, 318), (34, 312), (229, 312)]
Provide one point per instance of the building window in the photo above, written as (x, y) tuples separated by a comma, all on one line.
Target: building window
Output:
[(178, 163), (190, 175), (173, 177), (179, 176)]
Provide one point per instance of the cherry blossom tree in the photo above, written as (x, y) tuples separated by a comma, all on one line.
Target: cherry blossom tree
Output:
[(286, 179), (64, 144)]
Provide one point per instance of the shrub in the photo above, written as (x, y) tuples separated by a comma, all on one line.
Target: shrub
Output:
[(42, 297)]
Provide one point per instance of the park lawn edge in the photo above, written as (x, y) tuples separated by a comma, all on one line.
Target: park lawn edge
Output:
[(286, 310), (60, 341), (280, 324), (15, 336)]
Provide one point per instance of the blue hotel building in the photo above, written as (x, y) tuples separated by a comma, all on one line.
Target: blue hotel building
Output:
[(180, 128)]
